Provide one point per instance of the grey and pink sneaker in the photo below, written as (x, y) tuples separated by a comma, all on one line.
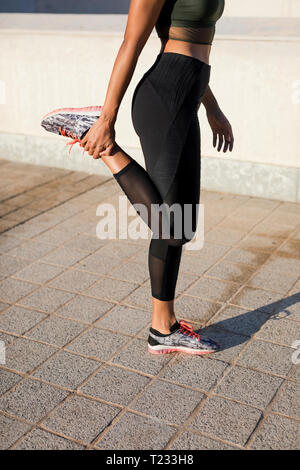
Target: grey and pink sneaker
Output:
[(71, 122), (181, 339)]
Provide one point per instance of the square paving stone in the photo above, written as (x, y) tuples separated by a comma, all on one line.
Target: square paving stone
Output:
[(168, 402), (99, 264), (8, 243), (10, 431), (141, 297), (38, 272), (190, 441), (277, 433), (31, 400), (226, 420), (98, 343), (85, 309), (184, 281), (272, 280), (287, 401), (225, 236), (283, 264), (31, 250), (267, 357), (195, 265), (81, 418), (125, 320), (54, 237), (67, 370), (111, 289), (3, 306), (131, 272), (86, 243), (12, 290), (240, 321), (38, 439), (133, 432), (64, 256), (295, 375), (279, 331), (231, 272), (25, 355), (210, 251), (136, 356), (273, 229), (249, 386), (18, 320), (296, 290), (252, 298), (289, 308), (115, 385), (47, 299), (7, 339), (74, 281), (195, 309), (251, 257), (10, 265), (7, 380), (120, 248), (195, 371), (262, 243), (28, 230), (213, 289), (56, 331)]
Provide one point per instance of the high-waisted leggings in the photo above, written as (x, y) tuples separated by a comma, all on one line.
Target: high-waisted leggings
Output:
[(164, 115)]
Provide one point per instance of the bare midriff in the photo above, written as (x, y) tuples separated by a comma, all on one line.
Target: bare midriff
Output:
[(199, 51)]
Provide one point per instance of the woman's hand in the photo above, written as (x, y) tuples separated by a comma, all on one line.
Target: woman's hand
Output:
[(99, 141), (221, 129)]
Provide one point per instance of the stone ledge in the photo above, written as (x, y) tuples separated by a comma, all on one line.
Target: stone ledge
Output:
[(107, 24), (218, 174)]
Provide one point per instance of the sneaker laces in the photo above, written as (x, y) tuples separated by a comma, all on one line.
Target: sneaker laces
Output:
[(73, 136), (187, 329)]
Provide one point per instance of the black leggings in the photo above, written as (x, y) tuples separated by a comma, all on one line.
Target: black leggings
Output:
[(164, 115)]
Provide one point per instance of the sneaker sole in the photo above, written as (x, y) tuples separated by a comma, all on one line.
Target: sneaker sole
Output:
[(91, 110), (167, 350)]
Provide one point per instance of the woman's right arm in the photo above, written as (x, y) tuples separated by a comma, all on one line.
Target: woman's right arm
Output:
[(142, 17)]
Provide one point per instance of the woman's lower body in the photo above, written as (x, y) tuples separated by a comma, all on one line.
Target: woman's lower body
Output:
[(164, 115)]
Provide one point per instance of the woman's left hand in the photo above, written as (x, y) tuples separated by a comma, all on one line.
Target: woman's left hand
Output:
[(221, 129)]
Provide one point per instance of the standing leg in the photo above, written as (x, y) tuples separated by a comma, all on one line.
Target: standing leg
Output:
[(164, 259)]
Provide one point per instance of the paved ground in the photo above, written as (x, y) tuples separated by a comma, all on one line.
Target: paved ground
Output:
[(75, 312)]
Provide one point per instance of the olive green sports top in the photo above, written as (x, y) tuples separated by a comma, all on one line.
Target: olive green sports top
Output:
[(189, 20)]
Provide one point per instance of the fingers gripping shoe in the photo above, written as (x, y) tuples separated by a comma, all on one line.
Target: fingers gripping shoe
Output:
[(71, 122), (181, 339)]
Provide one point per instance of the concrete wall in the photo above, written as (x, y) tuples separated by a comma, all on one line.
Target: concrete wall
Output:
[(51, 61), (263, 8)]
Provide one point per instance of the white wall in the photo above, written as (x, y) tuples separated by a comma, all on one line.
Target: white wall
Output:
[(255, 79), (263, 8)]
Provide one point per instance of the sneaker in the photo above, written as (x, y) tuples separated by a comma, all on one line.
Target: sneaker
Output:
[(71, 122), (182, 339)]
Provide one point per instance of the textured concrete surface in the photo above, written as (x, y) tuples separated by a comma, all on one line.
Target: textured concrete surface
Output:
[(75, 312)]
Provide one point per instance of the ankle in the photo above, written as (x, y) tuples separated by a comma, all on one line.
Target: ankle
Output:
[(163, 325)]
